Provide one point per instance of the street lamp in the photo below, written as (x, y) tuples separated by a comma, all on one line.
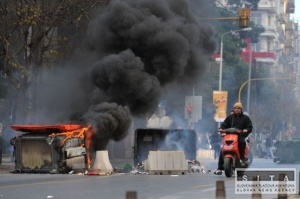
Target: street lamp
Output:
[(249, 77), (221, 54)]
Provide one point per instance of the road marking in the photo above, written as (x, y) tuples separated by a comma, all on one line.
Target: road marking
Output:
[(48, 182), (206, 185)]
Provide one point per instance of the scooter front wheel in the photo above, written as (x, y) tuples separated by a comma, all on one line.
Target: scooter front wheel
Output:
[(228, 169), (250, 157)]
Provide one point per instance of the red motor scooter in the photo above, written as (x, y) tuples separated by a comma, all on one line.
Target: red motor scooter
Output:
[(230, 151)]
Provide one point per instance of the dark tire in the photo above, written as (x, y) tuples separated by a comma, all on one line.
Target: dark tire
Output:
[(228, 167)]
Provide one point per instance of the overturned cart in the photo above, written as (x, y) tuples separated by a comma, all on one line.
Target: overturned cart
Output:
[(165, 151), (51, 148)]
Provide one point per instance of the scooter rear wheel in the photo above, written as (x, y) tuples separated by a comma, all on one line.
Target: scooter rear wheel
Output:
[(228, 167)]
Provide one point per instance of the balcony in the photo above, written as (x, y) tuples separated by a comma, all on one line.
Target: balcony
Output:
[(290, 7), (282, 59), (281, 39), (268, 6), (289, 43), (296, 33), (289, 26), (270, 32), (281, 34), (280, 18), (266, 57)]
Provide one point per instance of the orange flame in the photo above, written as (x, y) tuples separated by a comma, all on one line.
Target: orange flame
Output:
[(88, 142), (83, 133)]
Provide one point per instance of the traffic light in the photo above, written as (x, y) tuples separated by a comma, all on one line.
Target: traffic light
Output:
[(244, 17)]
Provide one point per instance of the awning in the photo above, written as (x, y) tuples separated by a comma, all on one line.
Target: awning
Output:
[(265, 60)]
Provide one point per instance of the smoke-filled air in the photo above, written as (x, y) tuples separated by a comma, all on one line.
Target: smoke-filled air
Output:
[(134, 49)]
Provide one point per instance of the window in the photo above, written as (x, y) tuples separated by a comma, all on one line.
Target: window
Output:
[(256, 18)]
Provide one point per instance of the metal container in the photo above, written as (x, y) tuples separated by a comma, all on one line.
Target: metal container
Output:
[(287, 151), (51, 148), (34, 154), (164, 140)]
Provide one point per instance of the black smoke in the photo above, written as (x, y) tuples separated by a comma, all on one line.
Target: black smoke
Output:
[(135, 48), (121, 78), (110, 121)]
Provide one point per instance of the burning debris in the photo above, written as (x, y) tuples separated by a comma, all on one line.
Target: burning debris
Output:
[(52, 148), (134, 49)]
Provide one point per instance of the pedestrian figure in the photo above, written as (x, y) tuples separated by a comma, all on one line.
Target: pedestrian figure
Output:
[(215, 141), (269, 144)]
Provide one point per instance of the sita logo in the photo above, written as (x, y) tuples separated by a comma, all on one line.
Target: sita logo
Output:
[(265, 181), (257, 178), (267, 174)]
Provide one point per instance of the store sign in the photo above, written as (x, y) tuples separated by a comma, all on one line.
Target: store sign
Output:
[(220, 102)]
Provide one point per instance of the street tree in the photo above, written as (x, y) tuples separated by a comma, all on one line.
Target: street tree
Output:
[(29, 36), (235, 70)]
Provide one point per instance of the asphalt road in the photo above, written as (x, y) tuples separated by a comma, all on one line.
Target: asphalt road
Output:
[(64, 186)]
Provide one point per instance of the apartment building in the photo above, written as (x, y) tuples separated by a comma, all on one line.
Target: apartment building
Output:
[(278, 46), (279, 38)]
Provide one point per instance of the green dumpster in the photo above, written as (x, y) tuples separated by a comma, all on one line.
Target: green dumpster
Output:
[(287, 151)]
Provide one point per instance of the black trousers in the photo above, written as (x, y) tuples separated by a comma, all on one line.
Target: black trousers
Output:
[(242, 148), (217, 150)]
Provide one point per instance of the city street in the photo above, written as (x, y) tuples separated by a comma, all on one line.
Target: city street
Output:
[(134, 99), (64, 186)]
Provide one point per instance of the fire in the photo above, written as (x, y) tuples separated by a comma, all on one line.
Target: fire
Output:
[(83, 133), (72, 145), (70, 134), (88, 142)]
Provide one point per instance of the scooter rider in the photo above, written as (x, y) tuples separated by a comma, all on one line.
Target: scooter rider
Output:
[(240, 121)]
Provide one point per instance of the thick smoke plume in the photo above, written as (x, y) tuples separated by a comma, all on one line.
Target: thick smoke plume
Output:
[(138, 47)]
